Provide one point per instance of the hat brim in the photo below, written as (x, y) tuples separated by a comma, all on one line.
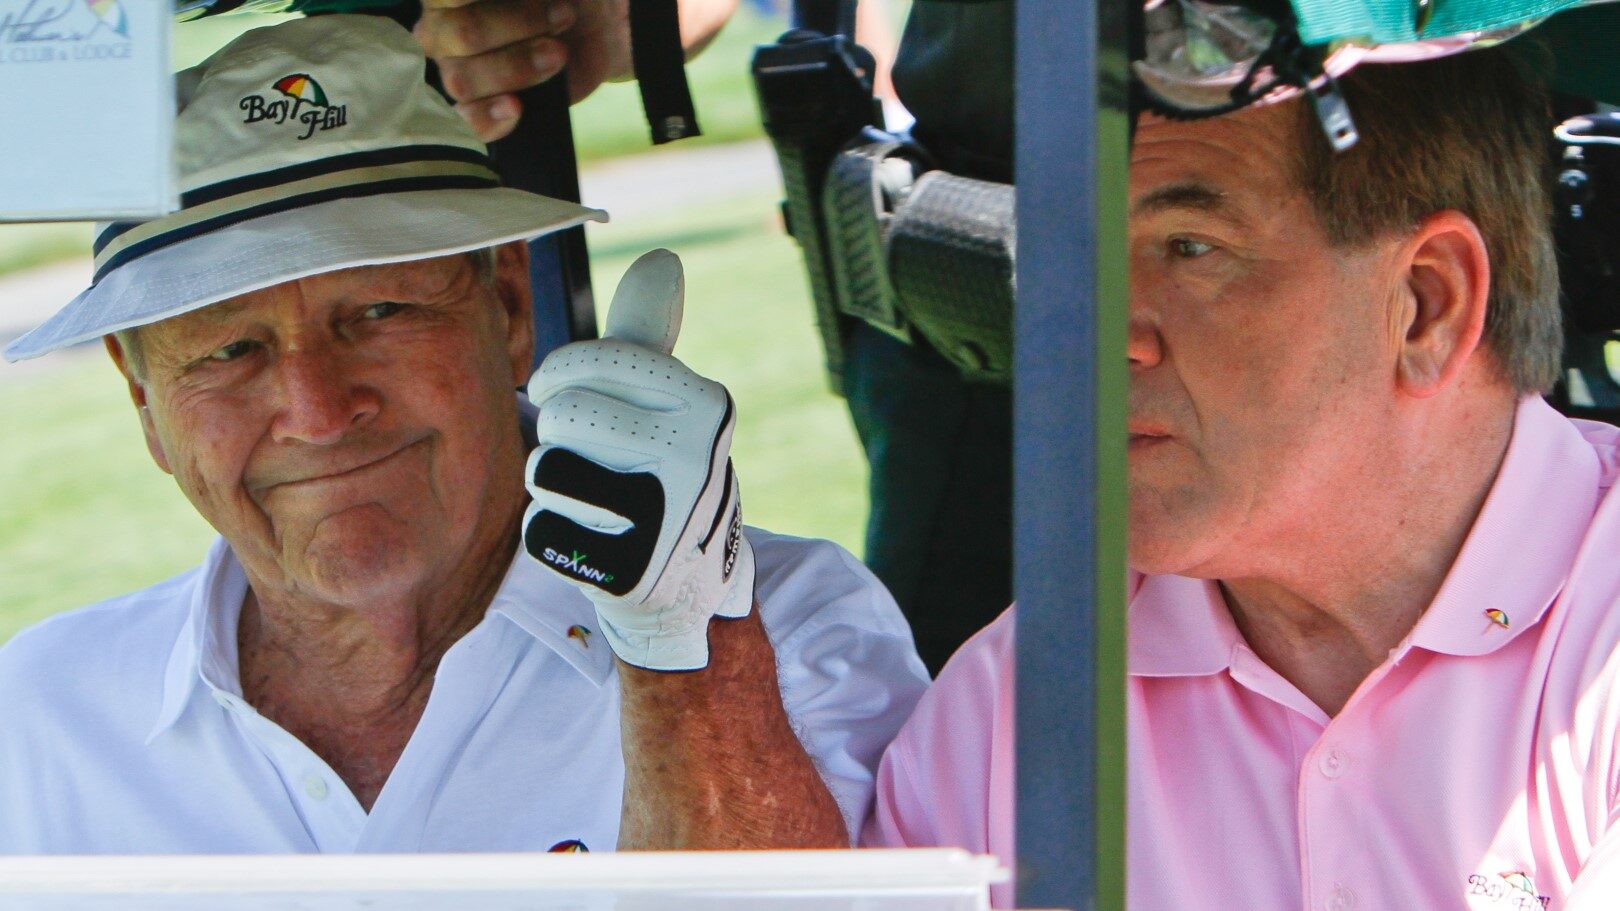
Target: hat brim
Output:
[(324, 237)]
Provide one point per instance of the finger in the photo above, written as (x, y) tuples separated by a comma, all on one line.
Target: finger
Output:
[(586, 515), (594, 516), (647, 307), (719, 487), (628, 506), (604, 430), (652, 382), (504, 71), (490, 25), (491, 118)]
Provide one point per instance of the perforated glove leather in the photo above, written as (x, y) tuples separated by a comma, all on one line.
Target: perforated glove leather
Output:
[(635, 499)]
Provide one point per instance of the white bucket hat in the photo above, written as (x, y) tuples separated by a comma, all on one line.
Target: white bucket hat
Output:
[(304, 147)]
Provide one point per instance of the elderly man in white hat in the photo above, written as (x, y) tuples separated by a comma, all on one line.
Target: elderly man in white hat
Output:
[(323, 346)]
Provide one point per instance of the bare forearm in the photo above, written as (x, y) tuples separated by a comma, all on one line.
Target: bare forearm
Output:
[(711, 761)]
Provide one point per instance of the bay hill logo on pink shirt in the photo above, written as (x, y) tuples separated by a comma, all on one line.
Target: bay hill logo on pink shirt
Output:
[(1515, 890), (302, 100)]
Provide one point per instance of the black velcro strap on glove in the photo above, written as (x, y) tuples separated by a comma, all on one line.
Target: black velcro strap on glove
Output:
[(612, 562)]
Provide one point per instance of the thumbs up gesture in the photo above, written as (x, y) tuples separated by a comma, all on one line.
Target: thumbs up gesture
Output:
[(635, 500)]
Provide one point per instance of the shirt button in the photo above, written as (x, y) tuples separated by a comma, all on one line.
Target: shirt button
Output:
[(1340, 899), (315, 786), (1333, 763)]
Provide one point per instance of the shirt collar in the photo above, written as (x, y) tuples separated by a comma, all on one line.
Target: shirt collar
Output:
[(1517, 556), (1179, 627), (549, 608), (531, 597), (1515, 559), (201, 651)]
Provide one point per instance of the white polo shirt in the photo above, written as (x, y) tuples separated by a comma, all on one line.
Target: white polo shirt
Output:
[(123, 728)]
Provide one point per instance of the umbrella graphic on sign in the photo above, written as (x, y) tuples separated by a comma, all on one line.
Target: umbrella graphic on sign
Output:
[(110, 14), (301, 86)]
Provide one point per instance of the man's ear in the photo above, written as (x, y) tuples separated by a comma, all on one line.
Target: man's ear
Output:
[(1442, 319), (137, 394), (517, 300)]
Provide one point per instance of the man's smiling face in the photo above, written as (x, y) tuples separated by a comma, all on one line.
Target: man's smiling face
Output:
[(352, 434), (1262, 358)]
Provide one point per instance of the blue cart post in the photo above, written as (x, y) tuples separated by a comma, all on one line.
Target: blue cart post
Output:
[(1069, 452)]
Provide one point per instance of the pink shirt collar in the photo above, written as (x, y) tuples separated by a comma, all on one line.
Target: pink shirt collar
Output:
[(1515, 559)]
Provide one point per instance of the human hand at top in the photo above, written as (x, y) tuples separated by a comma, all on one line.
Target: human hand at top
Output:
[(489, 50)]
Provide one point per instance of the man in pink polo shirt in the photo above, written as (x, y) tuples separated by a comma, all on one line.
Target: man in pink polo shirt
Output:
[(1375, 589)]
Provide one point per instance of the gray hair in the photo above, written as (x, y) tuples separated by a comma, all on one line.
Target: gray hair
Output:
[(130, 344), (483, 263)]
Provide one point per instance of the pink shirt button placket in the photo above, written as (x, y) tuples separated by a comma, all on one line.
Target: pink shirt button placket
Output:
[(1333, 763)]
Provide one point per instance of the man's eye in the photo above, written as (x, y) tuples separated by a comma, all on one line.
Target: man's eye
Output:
[(382, 310), (1187, 248), (232, 351)]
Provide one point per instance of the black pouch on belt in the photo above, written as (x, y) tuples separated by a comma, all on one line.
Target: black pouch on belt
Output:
[(929, 258)]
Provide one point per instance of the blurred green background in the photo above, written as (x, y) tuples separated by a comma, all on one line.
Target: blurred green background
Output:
[(87, 516)]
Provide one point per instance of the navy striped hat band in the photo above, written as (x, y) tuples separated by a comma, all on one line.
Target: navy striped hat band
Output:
[(397, 169)]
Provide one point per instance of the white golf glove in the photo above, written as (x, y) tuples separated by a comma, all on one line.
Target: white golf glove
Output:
[(635, 501)]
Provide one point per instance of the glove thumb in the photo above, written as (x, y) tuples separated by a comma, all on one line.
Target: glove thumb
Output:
[(647, 307)]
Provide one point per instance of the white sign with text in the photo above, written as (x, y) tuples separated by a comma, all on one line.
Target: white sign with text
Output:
[(86, 110), (921, 880)]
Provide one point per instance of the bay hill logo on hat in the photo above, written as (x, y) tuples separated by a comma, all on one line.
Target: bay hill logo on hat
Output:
[(304, 103), (385, 171)]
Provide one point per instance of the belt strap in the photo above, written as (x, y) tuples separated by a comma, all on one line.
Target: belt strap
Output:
[(927, 258), (660, 66)]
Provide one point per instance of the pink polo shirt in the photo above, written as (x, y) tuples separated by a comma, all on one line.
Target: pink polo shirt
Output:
[(1475, 769)]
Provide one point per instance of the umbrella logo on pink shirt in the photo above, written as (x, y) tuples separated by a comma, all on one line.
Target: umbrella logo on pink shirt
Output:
[(1497, 617), (1520, 880), (1515, 889)]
